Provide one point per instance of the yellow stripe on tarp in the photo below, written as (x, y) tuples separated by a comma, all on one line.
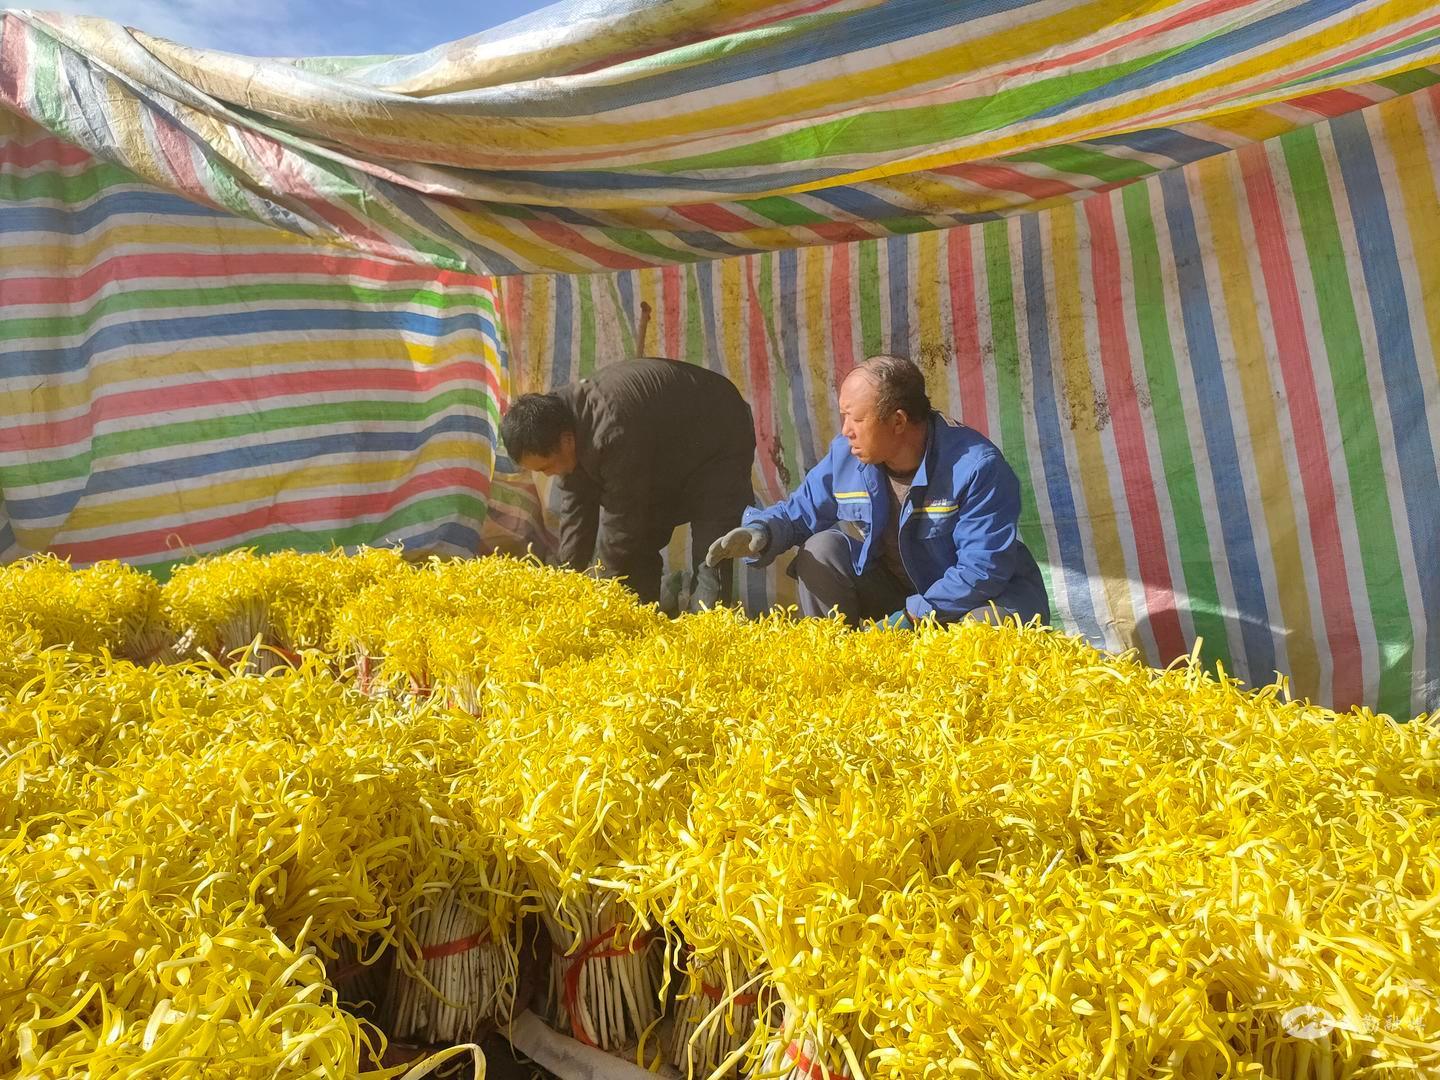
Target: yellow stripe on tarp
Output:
[(1220, 185), (817, 356), (530, 142), (149, 240), (1416, 176), (240, 362), (1255, 125), (1093, 468), (1121, 118), (94, 515), (732, 342)]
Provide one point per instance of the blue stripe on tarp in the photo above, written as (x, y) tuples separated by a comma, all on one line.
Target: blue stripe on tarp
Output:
[(189, 465), (1178, 146), (1055, 469), (788, 333), (604, 180), (563, 343), (75, 221), (1218, 428), (812, 40), (897, 262), (1400, 370), (451, 533), (190, 328), (862, 204), (1204, 53), (423, 214)]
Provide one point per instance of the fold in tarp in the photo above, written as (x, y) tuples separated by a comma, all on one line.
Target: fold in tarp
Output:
[(595, 136)]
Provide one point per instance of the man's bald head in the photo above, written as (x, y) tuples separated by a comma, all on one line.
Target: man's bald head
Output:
[(884, 412), (899, 385)]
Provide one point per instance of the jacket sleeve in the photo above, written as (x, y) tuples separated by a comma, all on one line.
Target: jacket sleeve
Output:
[(626, 465), (578, 513), (987, 529), (810, 509)]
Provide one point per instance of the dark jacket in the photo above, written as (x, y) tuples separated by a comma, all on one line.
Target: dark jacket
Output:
[(660, 442)]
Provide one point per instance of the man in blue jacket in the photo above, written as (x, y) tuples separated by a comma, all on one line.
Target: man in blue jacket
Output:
[(910, 515)]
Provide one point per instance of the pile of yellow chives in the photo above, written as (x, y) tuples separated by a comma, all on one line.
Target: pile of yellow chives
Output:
[(972, 852)]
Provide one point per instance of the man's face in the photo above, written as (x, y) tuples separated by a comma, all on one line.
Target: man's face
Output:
[(560, 462), (873, 439)]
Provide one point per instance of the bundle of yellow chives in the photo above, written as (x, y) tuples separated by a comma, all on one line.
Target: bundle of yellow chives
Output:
[(988, 852), (107, 607)]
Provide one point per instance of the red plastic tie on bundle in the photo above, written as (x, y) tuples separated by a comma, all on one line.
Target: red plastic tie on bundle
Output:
[(808, 1068), (592, 950), (717, 993), (456, 947)]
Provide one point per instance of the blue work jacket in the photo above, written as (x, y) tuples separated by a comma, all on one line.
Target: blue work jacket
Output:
[(959, 529)]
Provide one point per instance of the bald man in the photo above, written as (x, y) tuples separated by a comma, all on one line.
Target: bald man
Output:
[(909, 516)]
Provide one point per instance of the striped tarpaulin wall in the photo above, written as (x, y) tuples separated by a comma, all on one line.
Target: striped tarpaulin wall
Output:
[(1218, 386), (638, 133), (173, 379)]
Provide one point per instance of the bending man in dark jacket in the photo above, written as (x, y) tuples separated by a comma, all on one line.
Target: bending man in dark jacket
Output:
[(640, 447), (910, 515)]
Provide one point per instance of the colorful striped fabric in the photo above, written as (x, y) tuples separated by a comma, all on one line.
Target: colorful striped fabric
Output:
[(649, 132), (1220, 388), (175, 379)]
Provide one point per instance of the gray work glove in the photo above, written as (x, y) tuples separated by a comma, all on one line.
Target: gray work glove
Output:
[(746, 540)]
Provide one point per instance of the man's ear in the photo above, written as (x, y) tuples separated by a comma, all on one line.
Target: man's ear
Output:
[(567, 441)]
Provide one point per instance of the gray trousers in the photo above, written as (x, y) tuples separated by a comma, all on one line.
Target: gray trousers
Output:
[(826, 580)]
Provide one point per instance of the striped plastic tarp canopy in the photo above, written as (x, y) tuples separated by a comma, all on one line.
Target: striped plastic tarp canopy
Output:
[(175, 379), (636, 133), (1220, 388)]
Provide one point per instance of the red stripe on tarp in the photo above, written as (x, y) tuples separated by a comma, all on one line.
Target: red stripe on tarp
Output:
[(842, 336), (1332, 103), (48, 151), (1329, 60), (969, 362), (670, 291), (1292, 349), (193, 266), (577, 243), (285, 170), (840, 232), (996, 177), (14, 60), (1137, 474), (211, 392), (716, 218), (348, 508), (175, 146), (762, 402)]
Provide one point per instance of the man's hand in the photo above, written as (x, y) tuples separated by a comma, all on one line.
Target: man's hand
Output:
[(896, 620), (746, 540)]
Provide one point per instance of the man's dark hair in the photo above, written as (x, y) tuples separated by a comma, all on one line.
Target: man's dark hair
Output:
[(899, 384), (534, 424)]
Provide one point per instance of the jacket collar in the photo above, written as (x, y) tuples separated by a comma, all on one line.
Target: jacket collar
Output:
[(922, 474), (874, 474)]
